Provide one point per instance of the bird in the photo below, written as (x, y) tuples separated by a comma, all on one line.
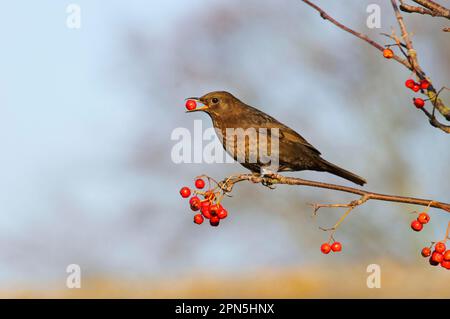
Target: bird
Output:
[(294, 152)]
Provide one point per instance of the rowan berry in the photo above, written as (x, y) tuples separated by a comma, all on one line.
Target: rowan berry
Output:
[(325, 248), (185, 192), (416, 225)]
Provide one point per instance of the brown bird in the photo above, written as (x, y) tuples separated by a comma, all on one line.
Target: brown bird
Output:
[(294, 153)]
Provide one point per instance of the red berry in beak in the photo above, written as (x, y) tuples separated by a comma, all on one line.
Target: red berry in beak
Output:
[(191, 105)]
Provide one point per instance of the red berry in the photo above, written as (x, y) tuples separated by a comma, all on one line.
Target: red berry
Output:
[(325, 248), (440, 247), (204, 204), (426, 252), (416, 87), (418, 102), (195, 207), (214, 209), (445, 264), (415, 225), (423, 218), (185, 192), (191, 104), (214, 221), (447, 255), (424, 84), (388, 53), (409, 83), (198, 219), (199, 183), (222, 212), (206, 211), (336, 246), (432, 262), (195, 203), (437, 257)]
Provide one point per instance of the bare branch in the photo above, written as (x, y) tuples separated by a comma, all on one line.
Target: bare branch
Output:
[(227, 185), (436, 8), (437, 11)]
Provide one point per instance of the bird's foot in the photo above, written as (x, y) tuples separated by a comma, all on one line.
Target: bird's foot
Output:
[(269, 180)]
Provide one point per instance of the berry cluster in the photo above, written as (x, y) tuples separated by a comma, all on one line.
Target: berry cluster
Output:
[(440, 255), (413, 85), (422, 85), (209, 207), (335, 247), (191, 105), (422, 219)]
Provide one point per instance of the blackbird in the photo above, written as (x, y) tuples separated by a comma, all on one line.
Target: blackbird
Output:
[(294, 152)]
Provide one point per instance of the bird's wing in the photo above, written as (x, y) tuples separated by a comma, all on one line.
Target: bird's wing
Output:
[(261, 119)]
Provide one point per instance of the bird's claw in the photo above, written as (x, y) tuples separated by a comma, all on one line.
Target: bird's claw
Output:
[(268, 182)]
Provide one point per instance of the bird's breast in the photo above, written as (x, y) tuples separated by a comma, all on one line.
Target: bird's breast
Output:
[(245, 145)]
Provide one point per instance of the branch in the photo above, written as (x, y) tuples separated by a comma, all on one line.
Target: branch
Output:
[(227, 185), (436, 8), (431, 8), (411, 62), (413, 9)]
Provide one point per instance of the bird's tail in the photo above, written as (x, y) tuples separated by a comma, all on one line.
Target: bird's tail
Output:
[(336, 170)]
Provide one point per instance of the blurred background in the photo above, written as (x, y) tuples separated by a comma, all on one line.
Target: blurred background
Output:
[(86, 175)]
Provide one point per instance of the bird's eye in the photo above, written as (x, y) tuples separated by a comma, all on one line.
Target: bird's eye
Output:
[(215, 100)]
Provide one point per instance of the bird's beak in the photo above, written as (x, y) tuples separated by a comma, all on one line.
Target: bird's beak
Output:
[(202, 108)]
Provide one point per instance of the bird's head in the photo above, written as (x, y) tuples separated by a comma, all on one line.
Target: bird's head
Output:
[(217, 102)]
